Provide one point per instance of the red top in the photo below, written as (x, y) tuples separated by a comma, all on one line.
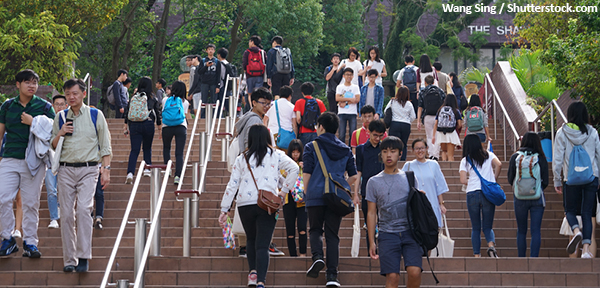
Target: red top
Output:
[(363, 137), (299, 106)]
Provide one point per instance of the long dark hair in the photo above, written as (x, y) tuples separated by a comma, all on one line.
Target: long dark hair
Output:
[(178, 89), (450, 101), (473, 149), (578, 115), (145, 85), (455, 81), (402, 95), (295, 145), (532, 141), (475, 101), (259, 141), (425, 64), (376, 53)]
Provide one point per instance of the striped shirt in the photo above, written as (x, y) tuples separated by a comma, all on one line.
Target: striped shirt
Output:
[(17, 133)]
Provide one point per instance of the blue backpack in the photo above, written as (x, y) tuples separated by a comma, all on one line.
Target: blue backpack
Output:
[(492, 191), (580, 170), (173, 112)]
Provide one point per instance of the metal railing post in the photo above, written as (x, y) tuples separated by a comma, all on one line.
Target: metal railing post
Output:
[(154, 191), (123, 283), (187, 229), (194, 205), (210, 110), (138, 249), (552, 124)]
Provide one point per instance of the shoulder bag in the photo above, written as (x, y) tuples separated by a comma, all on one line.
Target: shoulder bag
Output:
[(338, 199), (267, 200), (491, 190), (284, 137)]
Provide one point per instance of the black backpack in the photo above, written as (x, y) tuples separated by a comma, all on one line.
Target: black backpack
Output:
[(422, 219), (311, 113), (432, 100)]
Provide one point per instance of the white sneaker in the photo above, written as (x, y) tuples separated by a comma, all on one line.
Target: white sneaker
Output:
[(147, 172), (53, 224), (587, 255), (16, 234), (129, 179)]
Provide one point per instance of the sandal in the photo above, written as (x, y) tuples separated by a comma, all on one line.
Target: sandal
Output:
[(491, 251)]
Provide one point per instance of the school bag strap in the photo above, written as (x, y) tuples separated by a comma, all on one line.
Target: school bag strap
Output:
[(63, 114)]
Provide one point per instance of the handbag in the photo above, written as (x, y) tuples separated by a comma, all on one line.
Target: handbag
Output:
[(237, 228), (298, 190), (338, 199), (228, 237), (492, 191), (284, 137), (387, 117), (356, 234), (445, 247), (267, 200)]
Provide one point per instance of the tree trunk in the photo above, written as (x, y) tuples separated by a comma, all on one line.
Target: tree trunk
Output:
[(235, 39), (160, 41)]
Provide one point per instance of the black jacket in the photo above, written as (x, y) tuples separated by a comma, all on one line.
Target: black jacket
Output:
[(210, 75)]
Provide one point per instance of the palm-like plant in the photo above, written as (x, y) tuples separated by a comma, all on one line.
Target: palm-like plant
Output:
[(534, 76), (473, 74)]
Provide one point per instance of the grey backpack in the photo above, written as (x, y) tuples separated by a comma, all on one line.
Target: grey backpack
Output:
[(283, 62), (446, 120)]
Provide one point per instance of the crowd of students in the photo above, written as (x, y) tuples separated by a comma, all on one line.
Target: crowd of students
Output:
[(299, 152)]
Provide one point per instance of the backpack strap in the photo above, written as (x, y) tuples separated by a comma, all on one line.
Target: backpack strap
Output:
[(277, 112), (410, 175), (94, 115), (62, 119), (358, 136), (521, 166), (63, 114)]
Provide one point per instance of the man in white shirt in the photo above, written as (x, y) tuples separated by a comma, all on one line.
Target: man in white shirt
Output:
[(286, 113), (411, 80)]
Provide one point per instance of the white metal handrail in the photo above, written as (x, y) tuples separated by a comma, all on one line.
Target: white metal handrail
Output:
[(189, 150), (504, 112), (113, 254), (142, 266), (87, 79), (551, 106), (208, 146)]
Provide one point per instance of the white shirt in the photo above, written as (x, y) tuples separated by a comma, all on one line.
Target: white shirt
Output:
[(356, 67), (377, 66), (423, 75), (286, 114), (348, 92), (401, 74), (486, 171), (404, 114), (186, 105)]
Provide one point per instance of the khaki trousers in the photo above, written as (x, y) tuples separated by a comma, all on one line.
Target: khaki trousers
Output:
[(433, 150), (76, 188)]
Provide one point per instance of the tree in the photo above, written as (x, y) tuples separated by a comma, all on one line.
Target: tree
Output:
[(342, 26), (37, 43)]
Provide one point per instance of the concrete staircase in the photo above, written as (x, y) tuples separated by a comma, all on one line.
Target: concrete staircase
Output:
[(213, 266)]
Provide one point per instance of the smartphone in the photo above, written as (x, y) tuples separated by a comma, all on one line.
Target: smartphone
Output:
[(69, 122)]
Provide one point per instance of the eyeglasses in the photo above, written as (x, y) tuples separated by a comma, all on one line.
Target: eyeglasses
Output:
[(266, 104), (421, 149), (373, 135)]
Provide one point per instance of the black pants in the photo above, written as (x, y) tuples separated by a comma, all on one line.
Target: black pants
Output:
[(259, 227), (414, 101), (402, 131), (318, 217), (293, 214), (277, 81), (365, 210), (333, 107), (209, 95), (180, 134)]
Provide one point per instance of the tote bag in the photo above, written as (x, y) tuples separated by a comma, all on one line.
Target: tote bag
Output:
[(356, 234), (445, 247)]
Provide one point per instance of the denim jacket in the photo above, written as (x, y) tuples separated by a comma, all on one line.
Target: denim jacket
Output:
[(379, 95)]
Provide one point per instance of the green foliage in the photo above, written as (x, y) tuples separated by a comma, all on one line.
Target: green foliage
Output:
[(533, 75), (342, 25), (473, 74), (37, 43)]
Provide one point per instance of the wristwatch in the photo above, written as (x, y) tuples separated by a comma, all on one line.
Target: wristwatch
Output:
[(107, 167)]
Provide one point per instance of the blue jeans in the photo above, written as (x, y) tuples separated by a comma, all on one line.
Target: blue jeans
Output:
[(351, 120), (99, 197), (581, 199), (306, 138), (481, 212), (140, 133), (51, 192), (522, 209)]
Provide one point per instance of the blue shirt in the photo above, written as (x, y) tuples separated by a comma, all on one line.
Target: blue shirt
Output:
[(430, 179), (367, 162)]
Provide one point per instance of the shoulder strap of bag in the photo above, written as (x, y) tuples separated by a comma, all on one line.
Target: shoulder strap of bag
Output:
[(474, 168), (410, 175), (323, 168), (277, 112), (250, 169)]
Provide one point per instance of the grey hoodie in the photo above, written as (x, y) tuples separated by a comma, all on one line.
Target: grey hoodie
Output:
[(566, 138), (243, 126)]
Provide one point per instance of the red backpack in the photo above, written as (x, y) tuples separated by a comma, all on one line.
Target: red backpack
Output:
[(256, 64)]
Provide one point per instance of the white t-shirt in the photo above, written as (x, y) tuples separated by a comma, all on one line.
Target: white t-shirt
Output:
[(286, 114), (348, 92), (423, 75), (186, 105), (356, 67), (377, 66), (486, 171)]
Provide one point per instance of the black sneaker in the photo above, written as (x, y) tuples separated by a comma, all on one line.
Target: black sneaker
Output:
[(315, 268), (31, 251), (273, 251), (243, 252), (69, 269), (8, 247), (332, 281)]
